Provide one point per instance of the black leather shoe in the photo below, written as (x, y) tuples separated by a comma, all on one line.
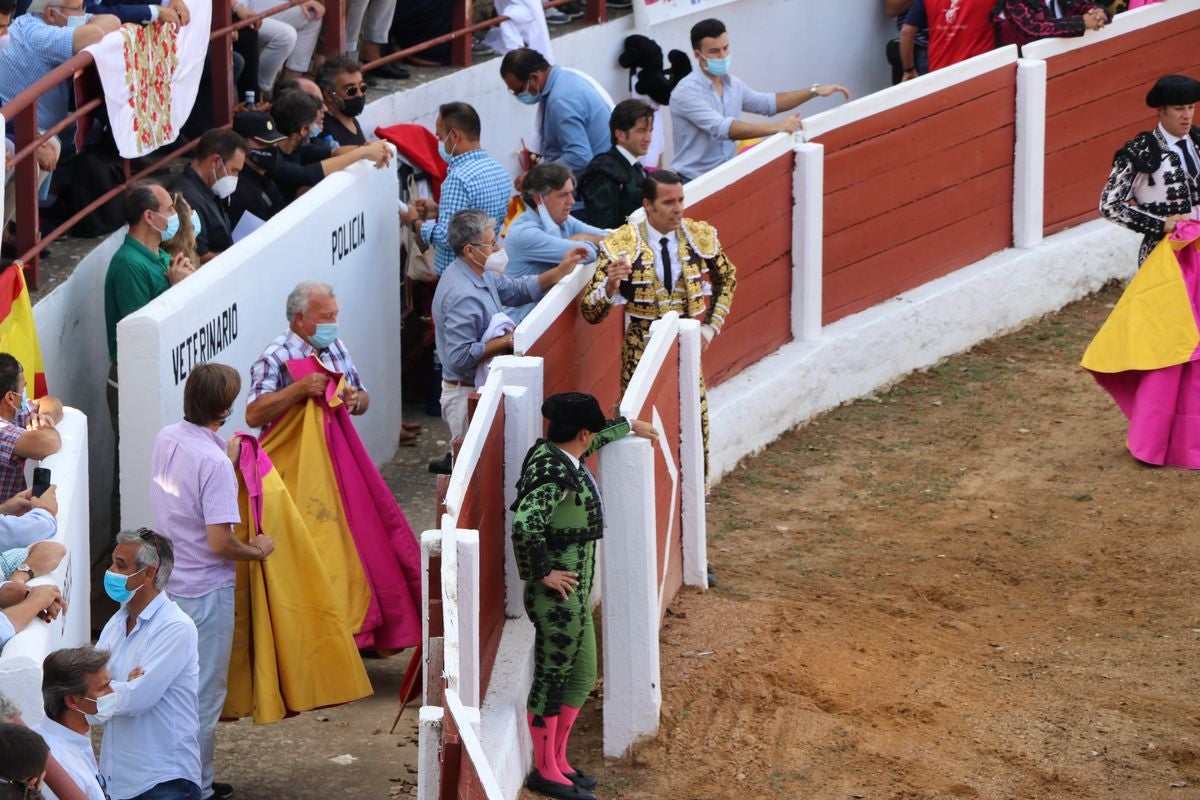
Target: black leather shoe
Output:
[(442, 466), (391, 71), (582, 779), (222, 790), (563, 791), (712, 579)]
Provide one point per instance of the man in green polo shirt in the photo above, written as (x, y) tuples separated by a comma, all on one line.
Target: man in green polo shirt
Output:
[(139, 272)]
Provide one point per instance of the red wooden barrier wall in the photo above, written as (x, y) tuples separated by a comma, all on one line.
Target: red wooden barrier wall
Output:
[(483, 510), (459, 780), (580, 357), (1096, 100), (918, 191), (753, 218), (664, 398)]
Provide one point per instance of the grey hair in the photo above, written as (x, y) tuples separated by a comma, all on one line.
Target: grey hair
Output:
[(149, 552), (38, 6), (297, 300), (466, 227), (8, 709), (66, 672)]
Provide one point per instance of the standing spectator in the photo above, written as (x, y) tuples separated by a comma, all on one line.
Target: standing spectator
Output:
[(1022, 21), (546, 232), (76, 691), (149, 751), (40, 40), (705, 105), (341, 81), (958, 30), (474, 180), (574, 115), (611, 186), (194, 493), (287, 40), (23, 756), (26, 427), (468, 296), (373, 19), (207, 183), (920, 63)]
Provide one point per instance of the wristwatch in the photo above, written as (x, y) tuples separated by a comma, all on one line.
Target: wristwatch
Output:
[(28, 570), (814, 88)]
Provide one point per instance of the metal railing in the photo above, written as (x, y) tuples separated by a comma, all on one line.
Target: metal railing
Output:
[(21, 111)]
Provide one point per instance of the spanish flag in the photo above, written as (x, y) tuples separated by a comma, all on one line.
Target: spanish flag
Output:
[(18, 336)]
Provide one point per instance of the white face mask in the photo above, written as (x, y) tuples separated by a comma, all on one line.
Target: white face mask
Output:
[(548, 223), (106, 705), (224, 186), (496, 262)]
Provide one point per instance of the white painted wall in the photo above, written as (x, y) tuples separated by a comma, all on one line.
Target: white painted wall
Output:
[(21, 661), (255, 277), (777, 45)]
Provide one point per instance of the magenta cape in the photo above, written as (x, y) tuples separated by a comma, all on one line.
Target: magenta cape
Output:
[(386, 546)]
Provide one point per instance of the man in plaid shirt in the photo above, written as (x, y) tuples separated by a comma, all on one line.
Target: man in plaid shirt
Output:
[(474, 181), (312, 312), (26, 427)]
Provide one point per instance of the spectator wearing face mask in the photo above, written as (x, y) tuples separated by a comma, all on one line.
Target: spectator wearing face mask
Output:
[(341, 81), (256, 193), (77, 693), (26, 427), (207, 183), (184, 242)]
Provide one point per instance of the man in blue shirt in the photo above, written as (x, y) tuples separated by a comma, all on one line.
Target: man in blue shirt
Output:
[(706, 104), (474, 180), (546, 231), (574, 114)]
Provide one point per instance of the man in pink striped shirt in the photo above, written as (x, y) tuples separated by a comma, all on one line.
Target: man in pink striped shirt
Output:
[(194, 493)]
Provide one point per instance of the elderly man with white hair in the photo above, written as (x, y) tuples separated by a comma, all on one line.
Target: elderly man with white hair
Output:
[(312, 315), (150, 749)]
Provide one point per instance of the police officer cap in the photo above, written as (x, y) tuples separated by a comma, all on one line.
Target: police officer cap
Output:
[(1173, 90), (576, 409)]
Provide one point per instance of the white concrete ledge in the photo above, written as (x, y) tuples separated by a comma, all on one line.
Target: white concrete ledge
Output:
[(859, 354), (504, 731)]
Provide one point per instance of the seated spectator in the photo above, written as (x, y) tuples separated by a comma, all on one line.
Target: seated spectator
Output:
[(58, 784), (183, 243), (23, 758), (574, 115), (920, 63), (76, 692), (150, 748), (611, 186), (26, 427), (1022, 21), (341, 81), (207, 183), (958, 30), (705, 106), (321, 144), (286, 40), (295, 114), (46, 156), (174, 11), (256, 193), (546, 232), (20, 604), (41, 40), (474, 180), (25, 519)]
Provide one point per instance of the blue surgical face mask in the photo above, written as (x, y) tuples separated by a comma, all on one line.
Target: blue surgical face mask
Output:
[(196, 226), (115, 585), (172, 228), (314, 130), (528, 99), (325, 334), (443, 152), (77, 20), (718, 66)]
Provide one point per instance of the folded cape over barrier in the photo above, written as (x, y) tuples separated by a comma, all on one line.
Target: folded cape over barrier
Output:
[(293, 649), (370, 551), (1145, 355)]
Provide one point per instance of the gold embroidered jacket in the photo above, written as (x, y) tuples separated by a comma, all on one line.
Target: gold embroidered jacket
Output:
[(706, 272)]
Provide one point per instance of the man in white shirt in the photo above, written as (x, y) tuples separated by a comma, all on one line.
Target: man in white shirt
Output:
[(150, 749), (75, 685)]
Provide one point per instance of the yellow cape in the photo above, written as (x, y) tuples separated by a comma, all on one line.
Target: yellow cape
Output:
[(293, 649), (1152, 325)]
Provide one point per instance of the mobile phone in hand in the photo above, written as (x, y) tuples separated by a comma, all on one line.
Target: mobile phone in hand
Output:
[(41, 481)]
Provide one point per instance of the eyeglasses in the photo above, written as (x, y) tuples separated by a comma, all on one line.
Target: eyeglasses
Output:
[(355, 89), (492, 245)]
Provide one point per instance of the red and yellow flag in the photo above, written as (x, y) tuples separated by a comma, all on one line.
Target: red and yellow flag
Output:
[(18, 335)]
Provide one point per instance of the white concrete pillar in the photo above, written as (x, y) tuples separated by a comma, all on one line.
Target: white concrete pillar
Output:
[(632, 689), (451, 635), (429, 753), (808, 231), (468, 618), (1029, 162), (691, 451), (431, 544)]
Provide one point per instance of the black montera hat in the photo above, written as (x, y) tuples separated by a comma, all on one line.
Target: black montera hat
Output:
[(1173, 90), (574, 408)]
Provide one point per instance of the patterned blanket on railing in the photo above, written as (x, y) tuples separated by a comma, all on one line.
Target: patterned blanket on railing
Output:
[(151, 75)]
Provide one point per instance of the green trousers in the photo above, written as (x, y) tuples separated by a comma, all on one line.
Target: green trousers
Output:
[(564, 668)]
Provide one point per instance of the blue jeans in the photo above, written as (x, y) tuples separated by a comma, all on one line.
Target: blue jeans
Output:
[(178, 789), (213, 615)]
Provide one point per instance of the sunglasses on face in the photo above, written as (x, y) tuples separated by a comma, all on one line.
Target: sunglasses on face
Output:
[(355, 89)]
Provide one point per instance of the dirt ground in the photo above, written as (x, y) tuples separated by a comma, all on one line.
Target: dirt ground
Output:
[(963, 587)]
